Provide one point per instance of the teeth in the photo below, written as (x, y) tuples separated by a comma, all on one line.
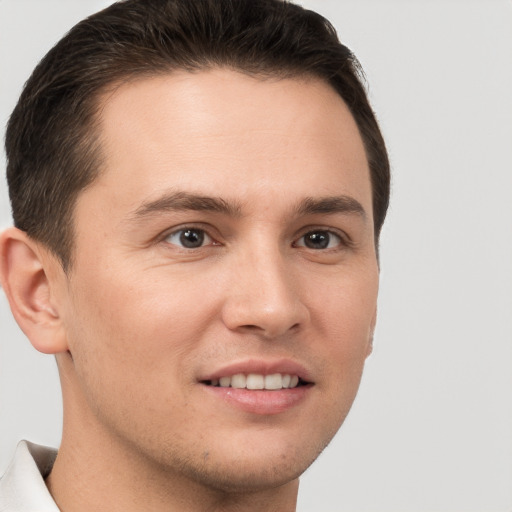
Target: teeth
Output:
[(225, 382), (238, 381), (274, 381), (257, 381)]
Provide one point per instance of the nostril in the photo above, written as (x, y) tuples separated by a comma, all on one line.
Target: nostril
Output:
[(268, 329)]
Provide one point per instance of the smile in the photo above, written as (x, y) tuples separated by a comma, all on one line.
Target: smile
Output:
[(260, 387), (255, 381)]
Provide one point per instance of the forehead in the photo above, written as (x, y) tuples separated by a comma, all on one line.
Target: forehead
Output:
[(224, 133)]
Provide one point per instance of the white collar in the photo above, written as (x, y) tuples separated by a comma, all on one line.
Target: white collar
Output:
[(22, 488)]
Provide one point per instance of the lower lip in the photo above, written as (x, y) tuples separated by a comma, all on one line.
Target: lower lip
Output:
[(261, 401)]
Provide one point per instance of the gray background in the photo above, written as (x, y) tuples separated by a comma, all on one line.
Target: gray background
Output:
[(431, 428)]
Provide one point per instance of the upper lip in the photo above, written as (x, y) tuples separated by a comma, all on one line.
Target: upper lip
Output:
[(259, 366)]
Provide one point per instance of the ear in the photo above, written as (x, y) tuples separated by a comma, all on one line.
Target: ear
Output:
[(24, 275), (369, 349)]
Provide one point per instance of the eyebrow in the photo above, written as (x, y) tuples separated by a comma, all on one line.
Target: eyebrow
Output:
[(330, 205), (183, 201)]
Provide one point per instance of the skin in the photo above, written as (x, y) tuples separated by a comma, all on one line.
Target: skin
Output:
[(139, 320)]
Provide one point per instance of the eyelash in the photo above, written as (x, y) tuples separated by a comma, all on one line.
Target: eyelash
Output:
[(343, 240)]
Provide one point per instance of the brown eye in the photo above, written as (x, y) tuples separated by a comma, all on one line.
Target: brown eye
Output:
[(189, 238), (319, 240)]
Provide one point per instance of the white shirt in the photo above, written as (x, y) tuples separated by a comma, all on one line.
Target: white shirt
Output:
[(22, 488)]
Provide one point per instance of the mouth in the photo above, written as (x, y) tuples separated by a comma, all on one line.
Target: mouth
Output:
[(260, 387), (258, 381)]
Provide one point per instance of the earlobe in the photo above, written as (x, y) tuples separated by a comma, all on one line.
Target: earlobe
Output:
[(369, 349), (29, 291)]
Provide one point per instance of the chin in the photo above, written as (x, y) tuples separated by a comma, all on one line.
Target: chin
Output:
[(250, 470), (247, 477)]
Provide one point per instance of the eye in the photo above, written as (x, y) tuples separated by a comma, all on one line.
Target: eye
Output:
[(189, 238), (319, 239)]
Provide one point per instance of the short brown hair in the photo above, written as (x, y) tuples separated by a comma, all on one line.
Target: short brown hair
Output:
[(52, 141)]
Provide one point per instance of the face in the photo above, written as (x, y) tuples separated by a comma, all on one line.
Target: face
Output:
[(223, 292)]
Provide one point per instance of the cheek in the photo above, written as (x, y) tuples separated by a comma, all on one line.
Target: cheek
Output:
[(346, 316), (129, 341), (124, 328), (346, 307)]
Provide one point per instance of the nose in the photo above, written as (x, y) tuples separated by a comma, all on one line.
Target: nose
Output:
[(264, 297)]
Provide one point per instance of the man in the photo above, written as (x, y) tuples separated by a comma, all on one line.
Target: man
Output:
[(198, 190)]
